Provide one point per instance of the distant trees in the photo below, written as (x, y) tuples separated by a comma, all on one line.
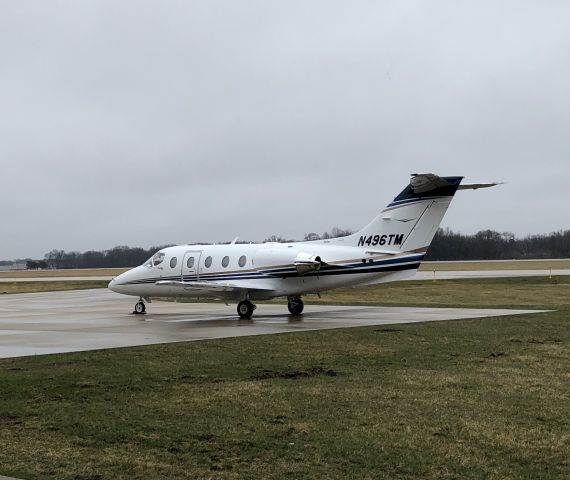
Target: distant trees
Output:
[(277, 239), (334, 233), (116, 257), (54, 258), (36, 264), (491, 245)]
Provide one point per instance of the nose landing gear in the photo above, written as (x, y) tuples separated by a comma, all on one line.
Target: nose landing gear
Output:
[(295, 305), (140, 307)]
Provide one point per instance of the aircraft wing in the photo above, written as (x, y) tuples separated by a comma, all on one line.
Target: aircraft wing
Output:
[(211, 288)]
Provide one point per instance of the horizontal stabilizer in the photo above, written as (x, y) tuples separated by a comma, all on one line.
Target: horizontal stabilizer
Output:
[(426, 182), (475, 186)]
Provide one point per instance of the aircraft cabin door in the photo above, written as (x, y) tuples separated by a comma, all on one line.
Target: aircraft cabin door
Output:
[(190, 265)]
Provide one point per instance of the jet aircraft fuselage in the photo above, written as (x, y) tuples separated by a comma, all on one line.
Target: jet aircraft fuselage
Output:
[(391, 247)]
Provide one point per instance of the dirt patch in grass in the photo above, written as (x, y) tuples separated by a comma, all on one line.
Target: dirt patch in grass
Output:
[(266, 374)]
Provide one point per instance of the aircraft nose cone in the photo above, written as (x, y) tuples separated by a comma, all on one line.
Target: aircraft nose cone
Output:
[(121, 283), (116, 284), (112, 285)]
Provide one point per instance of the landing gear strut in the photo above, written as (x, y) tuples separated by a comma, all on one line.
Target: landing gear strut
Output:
[(295, 305), (245, 309), (140, 307)]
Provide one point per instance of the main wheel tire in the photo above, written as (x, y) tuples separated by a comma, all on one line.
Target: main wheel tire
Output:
[(245, 309), (140, 307), (295, 306)]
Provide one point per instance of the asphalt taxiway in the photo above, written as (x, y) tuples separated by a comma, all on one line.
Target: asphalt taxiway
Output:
[(57, 322)]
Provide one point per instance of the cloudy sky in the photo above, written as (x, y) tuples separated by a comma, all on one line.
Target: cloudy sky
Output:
[(142, 123)]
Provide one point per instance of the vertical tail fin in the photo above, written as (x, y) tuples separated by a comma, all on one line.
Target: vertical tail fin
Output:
[(411, 220)]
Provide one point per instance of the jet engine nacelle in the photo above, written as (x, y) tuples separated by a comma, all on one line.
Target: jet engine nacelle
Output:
[(302, 261), (305, 263)]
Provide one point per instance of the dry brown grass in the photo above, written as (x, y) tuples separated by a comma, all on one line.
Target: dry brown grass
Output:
[(47, 286), (84, 272), (545, 265)]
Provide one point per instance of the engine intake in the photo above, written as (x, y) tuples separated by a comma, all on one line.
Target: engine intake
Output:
[(305, 263)]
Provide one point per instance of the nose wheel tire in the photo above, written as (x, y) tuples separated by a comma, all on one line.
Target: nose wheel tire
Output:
[(140, 308), (295, 305), (245, 309)]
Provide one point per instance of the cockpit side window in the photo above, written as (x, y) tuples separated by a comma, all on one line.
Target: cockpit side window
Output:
[(158, 258)]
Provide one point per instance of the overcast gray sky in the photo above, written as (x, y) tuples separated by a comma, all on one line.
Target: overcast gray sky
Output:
[(142, 123)]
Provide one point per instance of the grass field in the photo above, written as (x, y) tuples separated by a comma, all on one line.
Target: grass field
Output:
[(472, 399), (488, 292)]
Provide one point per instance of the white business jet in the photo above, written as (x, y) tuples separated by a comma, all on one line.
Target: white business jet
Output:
[(391, 247)]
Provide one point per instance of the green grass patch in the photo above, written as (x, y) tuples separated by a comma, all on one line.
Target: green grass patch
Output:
[(469, 399), (489, 292)]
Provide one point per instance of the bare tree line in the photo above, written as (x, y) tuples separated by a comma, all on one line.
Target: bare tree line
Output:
[(117, 257), (491, 245)]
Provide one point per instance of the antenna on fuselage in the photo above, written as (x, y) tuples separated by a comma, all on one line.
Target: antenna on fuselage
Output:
[(234, 241)]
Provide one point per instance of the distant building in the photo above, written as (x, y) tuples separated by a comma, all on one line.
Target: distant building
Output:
[(18, 266)]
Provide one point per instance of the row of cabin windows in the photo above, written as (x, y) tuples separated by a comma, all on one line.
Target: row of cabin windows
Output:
[(225, 261), (157, 260)]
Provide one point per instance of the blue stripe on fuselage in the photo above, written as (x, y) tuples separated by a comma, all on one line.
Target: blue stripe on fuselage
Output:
[(392, 264)]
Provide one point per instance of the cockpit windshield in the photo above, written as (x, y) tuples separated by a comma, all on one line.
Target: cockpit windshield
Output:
[(155, 260), (158, 258)]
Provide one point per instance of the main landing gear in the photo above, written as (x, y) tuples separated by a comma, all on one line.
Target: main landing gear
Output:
[(295, 305), (245, 309), (140, 307)]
